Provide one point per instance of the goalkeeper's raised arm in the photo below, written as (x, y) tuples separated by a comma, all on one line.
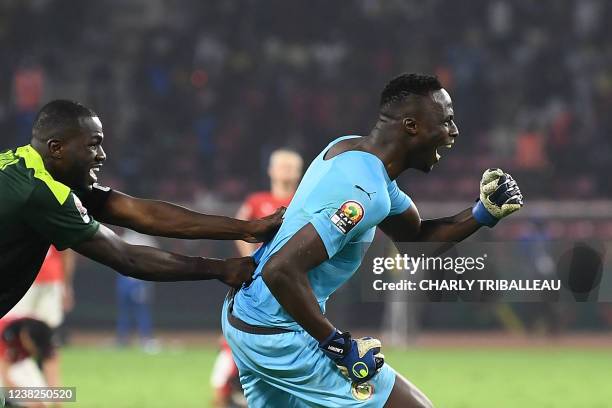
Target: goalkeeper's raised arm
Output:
[(499, 197)]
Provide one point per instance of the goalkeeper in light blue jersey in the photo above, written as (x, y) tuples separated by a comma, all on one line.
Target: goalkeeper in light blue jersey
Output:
[(288, 353)]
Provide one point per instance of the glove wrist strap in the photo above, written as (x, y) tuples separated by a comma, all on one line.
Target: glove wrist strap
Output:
[(482, 215), (336, 345), (328, 338)]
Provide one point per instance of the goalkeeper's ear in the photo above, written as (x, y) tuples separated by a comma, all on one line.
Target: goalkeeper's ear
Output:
[(410, 126)]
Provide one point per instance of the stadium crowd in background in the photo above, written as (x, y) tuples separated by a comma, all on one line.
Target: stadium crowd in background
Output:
[(231, 92)]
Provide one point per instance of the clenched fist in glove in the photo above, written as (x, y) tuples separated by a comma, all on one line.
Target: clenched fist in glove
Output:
[(500, 196), (358, 359)]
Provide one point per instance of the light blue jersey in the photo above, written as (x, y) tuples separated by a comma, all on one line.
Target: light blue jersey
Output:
[(344, 198)]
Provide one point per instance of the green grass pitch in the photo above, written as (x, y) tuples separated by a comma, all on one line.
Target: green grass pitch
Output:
[(487, 378)]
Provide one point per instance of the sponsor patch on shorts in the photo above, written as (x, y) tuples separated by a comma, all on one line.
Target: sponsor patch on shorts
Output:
[(347, 216), (362, 392)]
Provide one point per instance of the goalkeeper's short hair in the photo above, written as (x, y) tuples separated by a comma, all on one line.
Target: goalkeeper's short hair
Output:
[(400, 88)]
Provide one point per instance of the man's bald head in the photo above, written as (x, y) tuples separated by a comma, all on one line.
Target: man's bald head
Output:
[(59, 119)]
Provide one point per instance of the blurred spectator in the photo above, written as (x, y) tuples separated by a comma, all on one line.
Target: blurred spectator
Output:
[(28, 82), (285, 171)]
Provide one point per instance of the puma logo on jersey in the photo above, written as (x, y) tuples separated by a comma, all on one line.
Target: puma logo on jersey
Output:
[(362, 189)]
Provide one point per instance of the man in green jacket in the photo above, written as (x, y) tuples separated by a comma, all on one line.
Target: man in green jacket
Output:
[(49, 195)]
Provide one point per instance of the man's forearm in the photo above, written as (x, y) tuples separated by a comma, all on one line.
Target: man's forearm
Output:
[(148, 263), (292, 290), (156, 265), (152, 264), (169, 220), (449, 229)]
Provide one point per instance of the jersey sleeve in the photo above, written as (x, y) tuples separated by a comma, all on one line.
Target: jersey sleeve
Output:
[(338, 224), (95, 199), (400, 201), (63, 224)]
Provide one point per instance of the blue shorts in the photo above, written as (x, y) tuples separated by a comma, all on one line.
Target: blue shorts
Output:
[(288, 370)]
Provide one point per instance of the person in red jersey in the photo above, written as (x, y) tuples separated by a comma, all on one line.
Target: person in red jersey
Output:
[(51, 295), (285, 171), (47, 300)]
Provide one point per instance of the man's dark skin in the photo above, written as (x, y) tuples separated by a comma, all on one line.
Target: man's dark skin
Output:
[(404, 137), (69, 155)]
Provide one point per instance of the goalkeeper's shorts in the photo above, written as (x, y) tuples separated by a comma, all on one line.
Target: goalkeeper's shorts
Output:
[(287, 370)]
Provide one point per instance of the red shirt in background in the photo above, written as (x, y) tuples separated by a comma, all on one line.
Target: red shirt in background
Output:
[(52, 269), (29, 83), (261, 204)]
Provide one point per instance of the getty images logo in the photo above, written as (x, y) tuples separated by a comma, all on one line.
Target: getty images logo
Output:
[(411, 264)]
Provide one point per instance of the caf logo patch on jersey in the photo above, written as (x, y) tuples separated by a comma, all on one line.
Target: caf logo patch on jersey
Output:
[(347, 216), (81, 208), (362, 392)]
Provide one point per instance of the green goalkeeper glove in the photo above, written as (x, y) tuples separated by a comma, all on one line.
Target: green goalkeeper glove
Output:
[(500, 196)]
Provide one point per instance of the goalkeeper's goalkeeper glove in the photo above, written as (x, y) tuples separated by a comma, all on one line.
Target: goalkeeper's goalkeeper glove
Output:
[(359, 359), (500, 196)]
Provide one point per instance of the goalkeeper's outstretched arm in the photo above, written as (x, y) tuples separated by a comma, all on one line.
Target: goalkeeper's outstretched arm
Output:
[(408, 227), (499, 197)]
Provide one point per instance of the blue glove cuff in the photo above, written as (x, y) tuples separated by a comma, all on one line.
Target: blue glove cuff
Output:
[(482, 215), (337, 345)]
